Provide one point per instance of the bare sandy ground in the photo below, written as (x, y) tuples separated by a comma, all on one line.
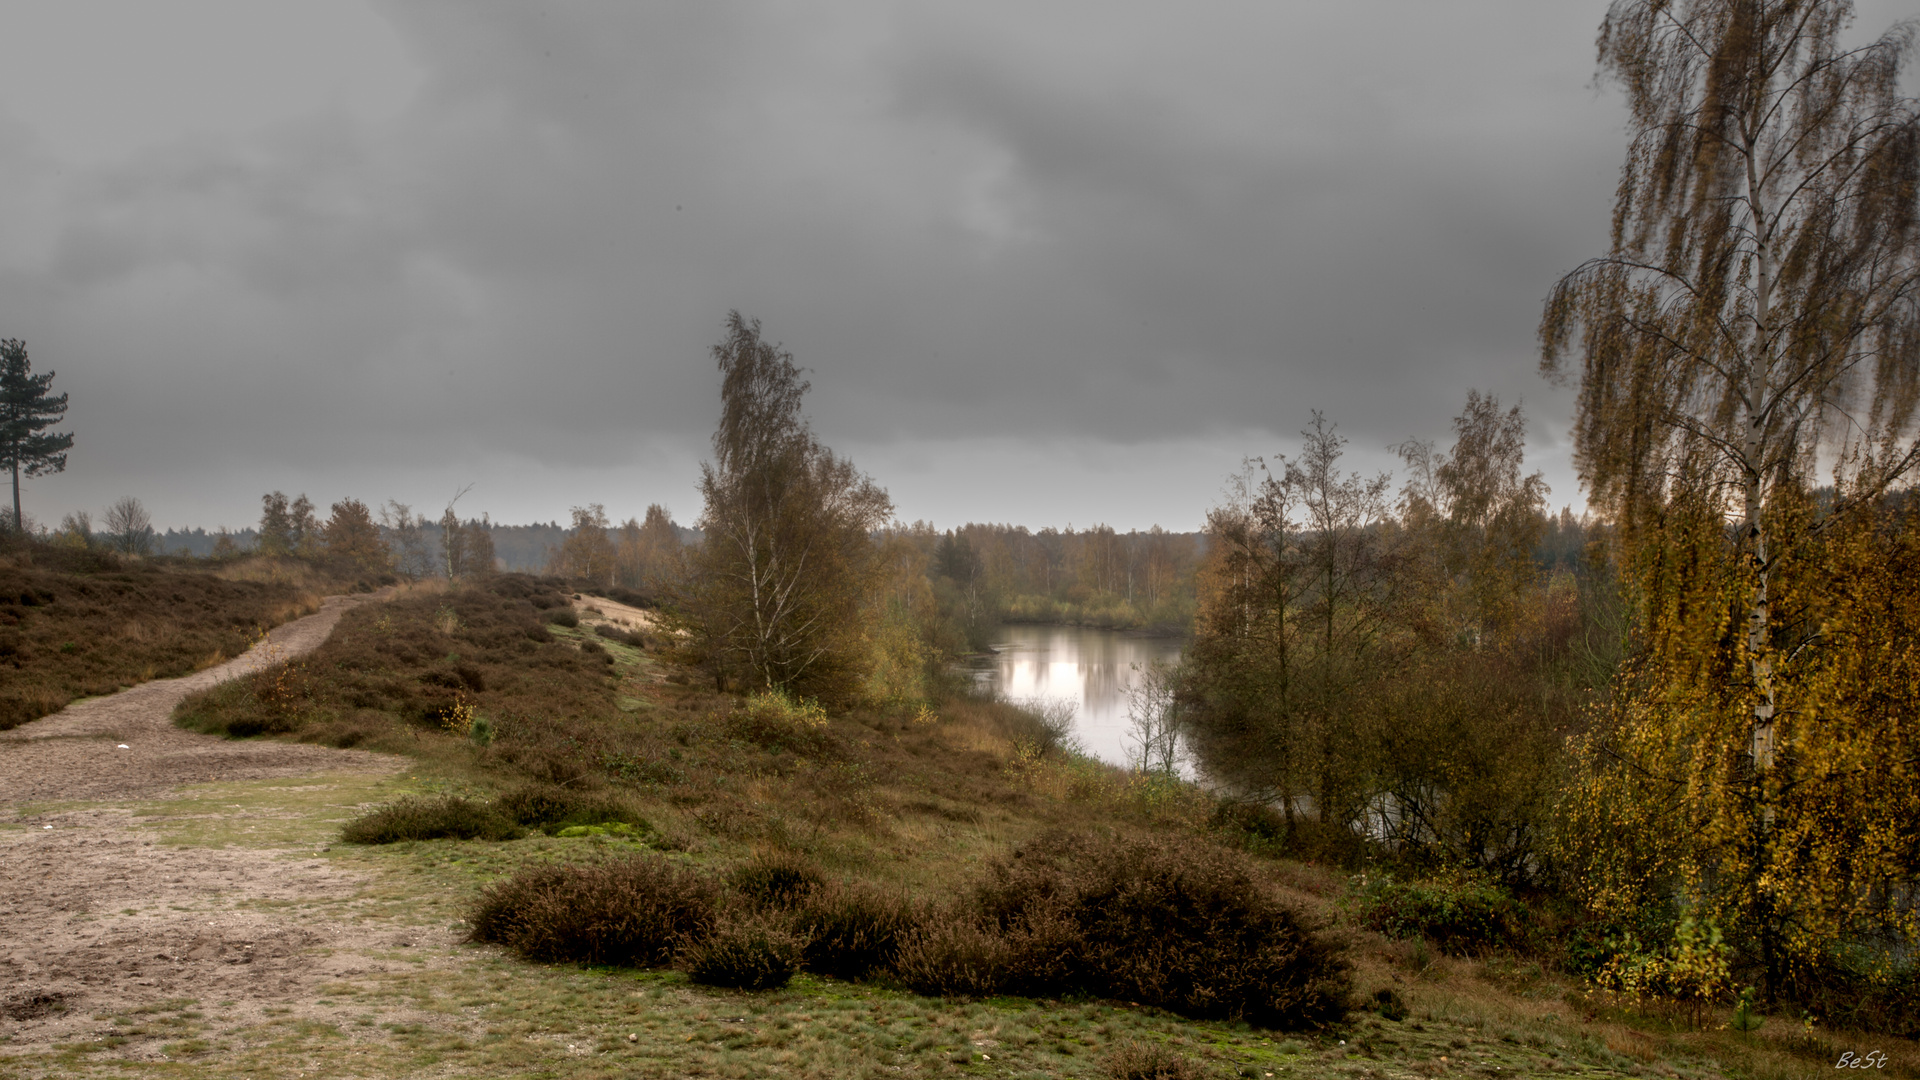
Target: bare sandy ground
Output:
[(99, 914)]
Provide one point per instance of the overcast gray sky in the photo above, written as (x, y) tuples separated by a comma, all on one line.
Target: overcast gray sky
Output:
[(1049, 263)]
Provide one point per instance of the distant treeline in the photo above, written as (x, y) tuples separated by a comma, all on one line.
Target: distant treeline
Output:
[(524, 548)]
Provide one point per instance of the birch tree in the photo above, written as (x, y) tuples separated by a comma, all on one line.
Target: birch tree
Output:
[(1757, 318), (787, 561)]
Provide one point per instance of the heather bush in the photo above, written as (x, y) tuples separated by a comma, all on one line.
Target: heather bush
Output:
[(1151, 1061), (777, 880), (637, 911), (951, 954), (551, 808), (447, 818), (745, 951), (774, 720), (1461, 915), (1179, 926), (852, 930)]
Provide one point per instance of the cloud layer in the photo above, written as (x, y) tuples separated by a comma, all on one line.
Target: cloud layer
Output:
[(1047, 262)]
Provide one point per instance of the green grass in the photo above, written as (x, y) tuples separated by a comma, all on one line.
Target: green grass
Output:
[(471, 1011)]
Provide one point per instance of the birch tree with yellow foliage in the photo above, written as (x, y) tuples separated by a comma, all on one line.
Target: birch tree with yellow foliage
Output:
[(1755, 324)]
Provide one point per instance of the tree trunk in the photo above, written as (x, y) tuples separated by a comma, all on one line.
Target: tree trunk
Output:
[(1753, 452)]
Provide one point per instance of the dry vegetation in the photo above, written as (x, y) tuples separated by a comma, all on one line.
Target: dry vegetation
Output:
[(78, 622), (784, 845)]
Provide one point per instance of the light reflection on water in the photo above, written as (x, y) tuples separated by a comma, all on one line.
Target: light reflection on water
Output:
[(1090, 668)]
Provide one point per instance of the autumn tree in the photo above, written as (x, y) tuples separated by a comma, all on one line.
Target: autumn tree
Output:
[(351, 539), (587, 554), (129, 527), (276, 534), (26, 411), (1756, 315), (648, 554), (477, 556), (787, 566), (1293, 625), (406, 537)]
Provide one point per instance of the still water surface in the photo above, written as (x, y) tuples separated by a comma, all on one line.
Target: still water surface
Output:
[(1089, 668)]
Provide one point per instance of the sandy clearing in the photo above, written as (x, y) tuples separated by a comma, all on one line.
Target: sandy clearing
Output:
[(101, 915)]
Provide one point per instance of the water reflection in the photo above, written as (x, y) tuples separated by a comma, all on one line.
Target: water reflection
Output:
[(1090, 668)]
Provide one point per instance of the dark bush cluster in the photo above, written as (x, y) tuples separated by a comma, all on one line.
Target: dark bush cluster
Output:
[(634, 638), (637, 911), (780, 880), (1182, 927), (446, 818), (853, 930), (628, 597), (1148, 921), (1462, 916), (745, 951), (551, 808)]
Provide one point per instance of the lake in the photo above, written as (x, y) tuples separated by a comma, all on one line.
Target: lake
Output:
[(1088, 668)]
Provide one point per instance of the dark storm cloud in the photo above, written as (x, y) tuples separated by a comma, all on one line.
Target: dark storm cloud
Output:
[(1083, 226)]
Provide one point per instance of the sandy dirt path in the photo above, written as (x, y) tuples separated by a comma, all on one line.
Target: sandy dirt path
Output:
[(74, 753), (105, 912)]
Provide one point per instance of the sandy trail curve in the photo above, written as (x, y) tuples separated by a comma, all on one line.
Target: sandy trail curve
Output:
[(72, 754), (100, 913)]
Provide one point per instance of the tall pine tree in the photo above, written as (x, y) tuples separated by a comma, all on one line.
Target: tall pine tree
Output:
[(26, 411)]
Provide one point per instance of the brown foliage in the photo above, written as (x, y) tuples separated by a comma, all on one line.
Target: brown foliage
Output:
[(1181, 926), (76, 622), (636, 911)]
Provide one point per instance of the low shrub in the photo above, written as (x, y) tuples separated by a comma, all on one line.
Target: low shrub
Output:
[(774, 720), (779, 880), (636, 911), (628, 597), (1461, 915), (447, 818), (1388, 1003), (852, 930), (561, 616), (744, 951), (951, 954), (551, 808), (1151, 1061), (1182, 927), (611, 632)]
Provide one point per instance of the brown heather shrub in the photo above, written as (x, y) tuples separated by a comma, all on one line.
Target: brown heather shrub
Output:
[(852, 930), (551, 808), (448, 818), (952, 954), (611, 632), (1151, 1061), (76, 622), (1181, 926), (746, 951), (636, 911), (780, 880)]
